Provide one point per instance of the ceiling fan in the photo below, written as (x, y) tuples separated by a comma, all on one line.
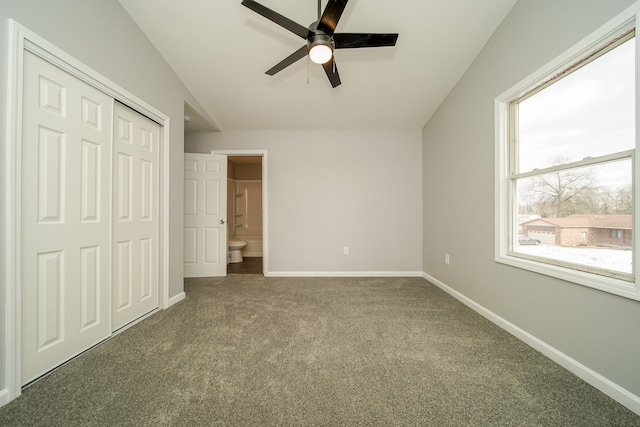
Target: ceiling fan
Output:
[(321, 37)]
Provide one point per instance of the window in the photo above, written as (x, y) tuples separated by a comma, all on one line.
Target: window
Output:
[(566, 157)]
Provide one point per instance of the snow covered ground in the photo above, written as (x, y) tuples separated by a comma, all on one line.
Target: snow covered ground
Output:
[(611, 259)]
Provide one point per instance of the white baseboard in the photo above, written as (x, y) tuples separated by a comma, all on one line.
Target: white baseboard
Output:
[(344, 274), (176, 299), (608, 387), (4, 396)]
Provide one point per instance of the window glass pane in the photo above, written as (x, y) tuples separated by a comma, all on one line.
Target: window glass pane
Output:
[(589, 113), (579, 215)]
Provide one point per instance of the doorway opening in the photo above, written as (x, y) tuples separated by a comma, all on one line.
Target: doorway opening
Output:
[(247, 210), (245, 213)]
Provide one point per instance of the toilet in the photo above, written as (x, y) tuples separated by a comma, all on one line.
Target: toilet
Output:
[(235, 250)]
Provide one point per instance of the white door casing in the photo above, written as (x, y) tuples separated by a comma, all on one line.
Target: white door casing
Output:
[(205, 215), (66, 152), (135, 215)]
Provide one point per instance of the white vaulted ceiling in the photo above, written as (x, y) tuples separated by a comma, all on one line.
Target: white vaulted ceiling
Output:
[(221, 50)]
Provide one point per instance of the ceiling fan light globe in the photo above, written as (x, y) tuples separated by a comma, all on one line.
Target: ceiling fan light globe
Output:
[(320, 53)]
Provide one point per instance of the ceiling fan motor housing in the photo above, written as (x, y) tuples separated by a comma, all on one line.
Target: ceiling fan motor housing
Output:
[(319, 38)]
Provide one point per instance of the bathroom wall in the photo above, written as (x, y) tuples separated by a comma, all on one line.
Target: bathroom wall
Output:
[(248, 171)]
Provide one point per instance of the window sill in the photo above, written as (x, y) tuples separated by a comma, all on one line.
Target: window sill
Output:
[(611, 285)]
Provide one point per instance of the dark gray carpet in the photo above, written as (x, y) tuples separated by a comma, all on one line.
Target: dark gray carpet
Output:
[(248, 350)]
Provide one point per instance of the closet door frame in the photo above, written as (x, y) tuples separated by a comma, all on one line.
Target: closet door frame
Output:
[(21, 39)]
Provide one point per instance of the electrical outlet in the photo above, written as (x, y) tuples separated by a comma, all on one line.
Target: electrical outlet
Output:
[(447, 259), (346, 250)]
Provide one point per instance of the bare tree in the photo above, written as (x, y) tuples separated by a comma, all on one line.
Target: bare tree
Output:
[(571, 191), (606, 200), (597, 201), (561, 193), (624, 200)]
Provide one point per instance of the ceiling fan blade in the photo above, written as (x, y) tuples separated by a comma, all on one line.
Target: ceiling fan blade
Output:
[(357, 40), (331, 15), (287, 23), (332, 72), (295, 56)]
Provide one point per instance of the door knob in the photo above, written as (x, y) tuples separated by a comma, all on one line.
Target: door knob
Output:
[(222, 221)]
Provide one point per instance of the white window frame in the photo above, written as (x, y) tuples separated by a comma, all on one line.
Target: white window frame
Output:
[(506, 215)]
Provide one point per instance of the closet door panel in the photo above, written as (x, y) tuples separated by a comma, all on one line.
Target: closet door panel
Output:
[(136, 224), (65, 220)]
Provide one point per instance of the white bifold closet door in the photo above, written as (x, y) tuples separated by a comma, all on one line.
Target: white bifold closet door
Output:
[(135, 215), (66, 232), (89, 217)]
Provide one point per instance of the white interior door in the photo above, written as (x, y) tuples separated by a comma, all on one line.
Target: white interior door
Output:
[(205, 215), (135, 215), (65, 222)]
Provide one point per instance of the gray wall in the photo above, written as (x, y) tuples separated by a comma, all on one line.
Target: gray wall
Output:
[(100, 34), (330, 189), (593, 327)]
